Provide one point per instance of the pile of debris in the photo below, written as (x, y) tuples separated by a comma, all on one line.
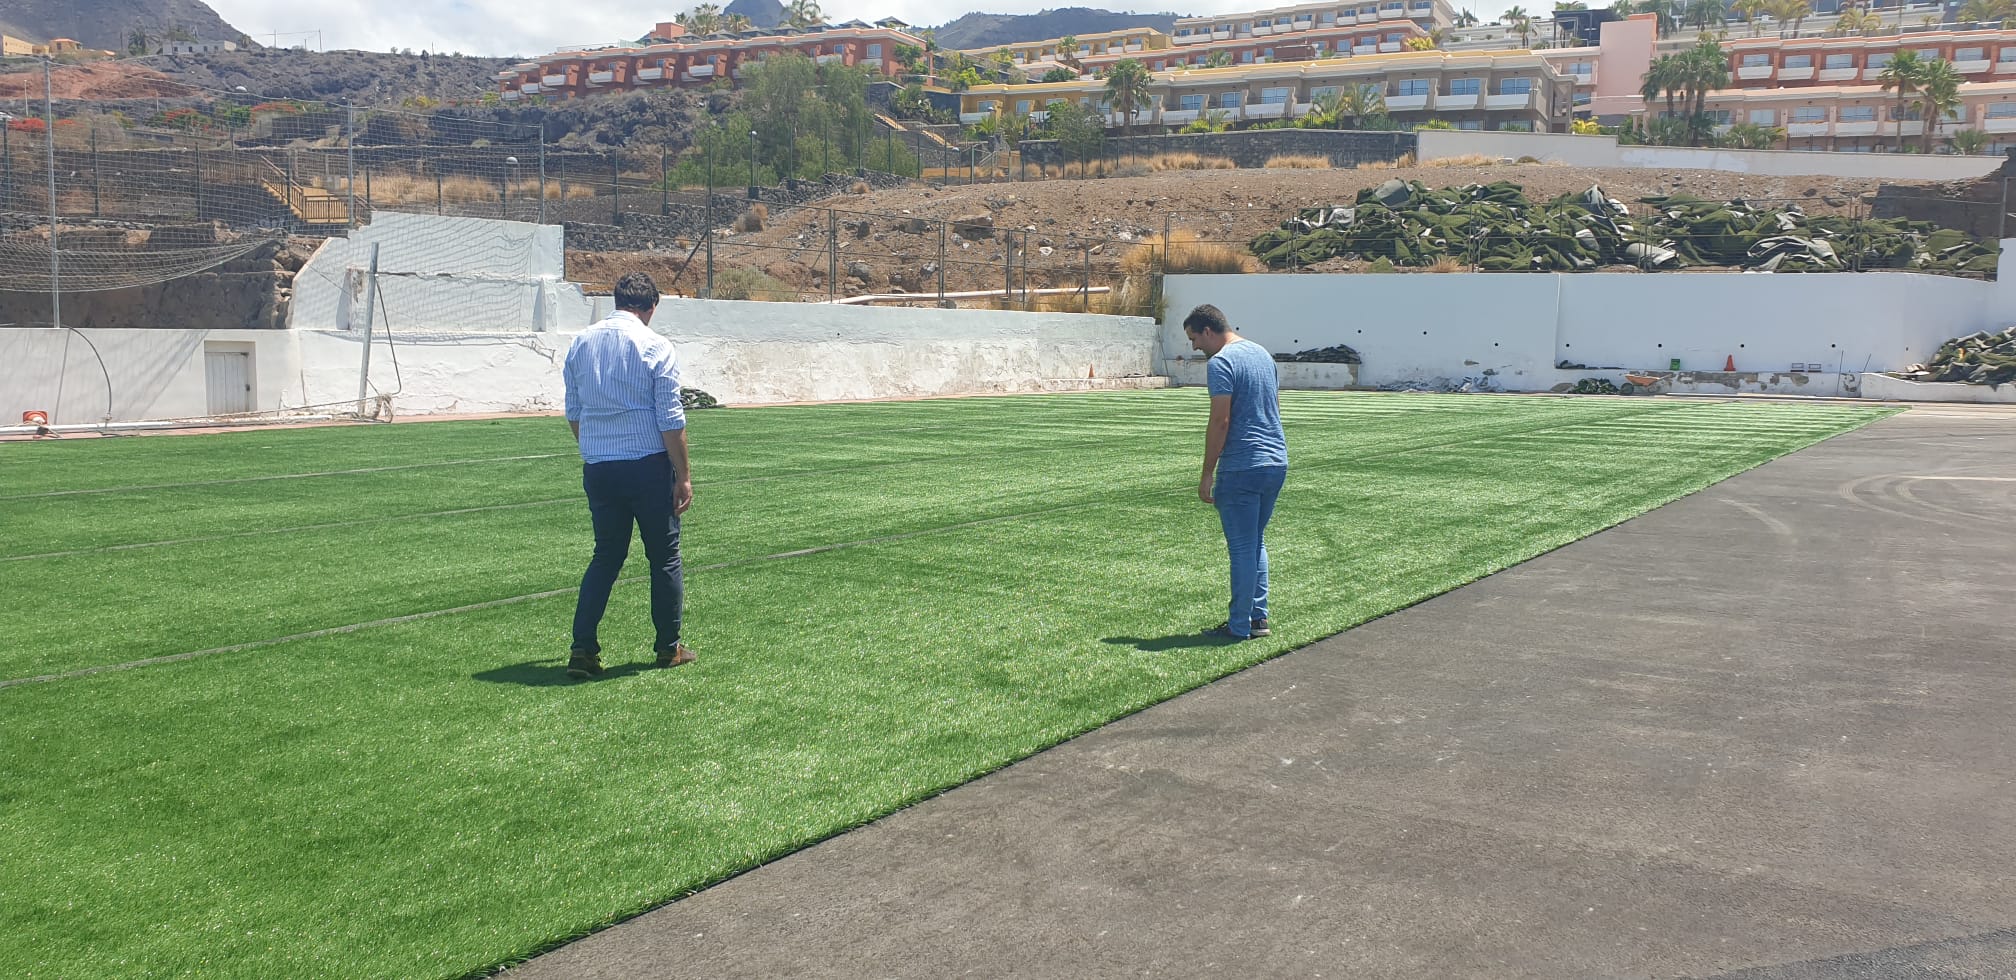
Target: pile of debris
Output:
[(691, 398), (1976, 359), (1494, 227), (1340, 354)]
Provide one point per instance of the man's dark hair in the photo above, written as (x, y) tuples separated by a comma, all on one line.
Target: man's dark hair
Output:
[(636, 293), (1206, 318)]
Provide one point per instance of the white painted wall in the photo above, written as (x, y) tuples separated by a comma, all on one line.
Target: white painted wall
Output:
[(1604, 151), (1417, 327), (441, 276), (149, 374)]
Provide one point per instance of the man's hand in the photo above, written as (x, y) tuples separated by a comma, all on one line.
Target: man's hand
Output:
[(1204, 490), (682, 496)]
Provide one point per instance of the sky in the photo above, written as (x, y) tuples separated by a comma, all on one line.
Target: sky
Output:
[(502, 28)]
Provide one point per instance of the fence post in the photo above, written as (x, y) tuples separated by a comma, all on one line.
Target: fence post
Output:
[(615, 188), (198, 172), (542, 173), (664, 184), (350, 162), (55, 252), (439, 202), (7, 162), (832, 254), (941, 263), (1008, 270), (97, 205), (2002, 217), (367, 183), (1086, 306)]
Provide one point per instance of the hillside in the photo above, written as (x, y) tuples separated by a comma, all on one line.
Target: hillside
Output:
[(360, 77), (762, 13), (106, 23), (978, 30)]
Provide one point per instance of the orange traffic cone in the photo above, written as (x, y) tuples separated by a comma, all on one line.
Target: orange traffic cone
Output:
[(1730, 364)]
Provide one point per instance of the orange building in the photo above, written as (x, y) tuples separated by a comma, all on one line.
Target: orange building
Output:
[(684, 61)]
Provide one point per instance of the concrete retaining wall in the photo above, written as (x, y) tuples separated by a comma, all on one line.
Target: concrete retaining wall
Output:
[(1249, 148), (1604, 151)]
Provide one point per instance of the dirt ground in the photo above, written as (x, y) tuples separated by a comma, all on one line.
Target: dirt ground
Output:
[(1099, 219), (100, 80)]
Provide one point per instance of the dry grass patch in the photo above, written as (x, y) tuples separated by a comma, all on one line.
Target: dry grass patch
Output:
[(1446, 264), (1406, 161), (752, 219), (1466, 160), (408, 189), (1292, 161)]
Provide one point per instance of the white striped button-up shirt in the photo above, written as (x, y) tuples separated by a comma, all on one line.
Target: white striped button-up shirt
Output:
[(623, 388)]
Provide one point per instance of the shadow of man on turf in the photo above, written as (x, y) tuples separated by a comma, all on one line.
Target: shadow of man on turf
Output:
[(1159, 644), (547, 673)]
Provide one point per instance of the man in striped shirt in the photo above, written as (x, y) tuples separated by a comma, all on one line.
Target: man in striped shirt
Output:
[(623, 405)]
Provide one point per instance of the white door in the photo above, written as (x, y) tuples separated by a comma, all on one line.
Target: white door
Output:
[(229, 375)]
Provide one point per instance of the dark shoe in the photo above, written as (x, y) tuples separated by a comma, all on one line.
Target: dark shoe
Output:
[(676, 656), (582, 664), (1223, 631), (1260, 628)]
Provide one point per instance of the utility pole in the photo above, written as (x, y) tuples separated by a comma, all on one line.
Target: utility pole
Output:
[(350, 158), (49, 134)]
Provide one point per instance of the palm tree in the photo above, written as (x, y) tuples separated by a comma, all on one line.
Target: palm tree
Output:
[(1512, 14), (1127, 88), (1524, 28), (1970, 141), (1465, 18), (1067, 49), (737, 23), (1218, 59), (1564, 5), (802, 14), (1623, 9), (1749, 10), (1988, 12), (1901, 76), (702, 20), (1702, 13), (1790, 14), (1855, 20), (1667, 12), (1349, 106), (1664, 79), (1751, 136), (1703, 69), (1938, 94)]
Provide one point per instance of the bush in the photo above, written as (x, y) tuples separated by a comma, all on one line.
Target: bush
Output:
[(752, 284), (753, 219)]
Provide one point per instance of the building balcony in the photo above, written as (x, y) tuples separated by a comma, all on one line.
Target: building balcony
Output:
[(601, 77), (650, 74), (530, 88), (1912, 127), (1999, 124), (870, 63), (1388, 47), (1972, 67), (1303, 108), (1406, 103), (553, 81), (827, 59), (1806, 130), (698, 72), (1839, 74), (1136, 48), (510, 96), (1452, 103), (1225, 35), (1364, 49), (972, 118), (2005, 67), (1516, 100), (1855, 128), (1263, 30), (1036, 118), (1180, 117), (1266, 110), (1584, 78), (1796, 74), (1754, 72), (1392, 15)]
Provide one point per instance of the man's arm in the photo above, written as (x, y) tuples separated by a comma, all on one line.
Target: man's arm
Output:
[(1214, 443), (682, 477)]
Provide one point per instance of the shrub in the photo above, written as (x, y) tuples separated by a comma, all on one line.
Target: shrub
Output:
[(753, 219), (860, 187), (1446, 264), (752, 284), (1380, 264)]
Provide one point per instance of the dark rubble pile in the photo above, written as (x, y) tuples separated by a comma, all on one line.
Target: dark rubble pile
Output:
[(1980, 359), (1497, 228), (695, 398), (1340, 354)]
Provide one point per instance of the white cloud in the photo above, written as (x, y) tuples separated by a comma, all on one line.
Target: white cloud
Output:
[(527, 27)]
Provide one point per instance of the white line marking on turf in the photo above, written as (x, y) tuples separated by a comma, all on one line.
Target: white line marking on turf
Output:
[(279, 476)]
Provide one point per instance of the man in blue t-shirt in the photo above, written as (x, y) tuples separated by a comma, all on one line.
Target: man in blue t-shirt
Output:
[(1248, 452)]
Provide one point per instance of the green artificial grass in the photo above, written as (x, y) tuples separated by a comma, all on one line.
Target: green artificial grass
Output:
[(432, 798)]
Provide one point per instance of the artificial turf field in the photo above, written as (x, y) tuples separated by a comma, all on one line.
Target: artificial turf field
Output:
[(373, 766)]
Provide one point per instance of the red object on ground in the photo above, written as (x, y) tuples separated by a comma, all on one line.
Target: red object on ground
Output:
[(33, 417), (1730, 364)]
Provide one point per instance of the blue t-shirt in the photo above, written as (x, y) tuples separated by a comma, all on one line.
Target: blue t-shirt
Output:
[(1245, 371)]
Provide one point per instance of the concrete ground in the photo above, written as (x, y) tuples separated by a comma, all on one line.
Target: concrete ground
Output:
[(1765, 732)]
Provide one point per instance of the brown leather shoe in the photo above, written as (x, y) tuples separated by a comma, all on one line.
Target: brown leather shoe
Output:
[(676, 656)]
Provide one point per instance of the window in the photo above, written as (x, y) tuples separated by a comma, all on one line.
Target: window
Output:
[(1583, 98), (2002, 110), (1581, 68), (1396, 38), (1764, 117), (1928, 54), (1756, 60), (1798, 61), (1413, 86), (987, 107), (1183, 32), (1465, 86), (874, 51), (1231, 100), (1190, 103), (1516, 127), (1877, 61), (1911, 111), (1858, 113), (1469, 124), (1971, 54), (1022, 107), (1809, 114), (1840, 61), (2006, 55), (1719, 117), (1515, 86), (1159, 66), (1246, 57), (1267, 53), (1393, 5), (1317, 93), (1274, 96)]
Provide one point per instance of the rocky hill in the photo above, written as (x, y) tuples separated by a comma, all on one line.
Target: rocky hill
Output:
[(106, 24), (358, 77), (762, 13), (978, 30)]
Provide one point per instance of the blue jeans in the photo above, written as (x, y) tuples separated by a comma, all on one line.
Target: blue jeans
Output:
[(621, 494), (1245, 505)]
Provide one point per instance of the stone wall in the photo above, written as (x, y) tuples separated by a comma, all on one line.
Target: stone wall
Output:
[(1973, 206), (249, 292), (1249, 148)]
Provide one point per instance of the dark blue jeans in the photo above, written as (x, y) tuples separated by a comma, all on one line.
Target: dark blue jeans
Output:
[(623, 494), (1245, 505)]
